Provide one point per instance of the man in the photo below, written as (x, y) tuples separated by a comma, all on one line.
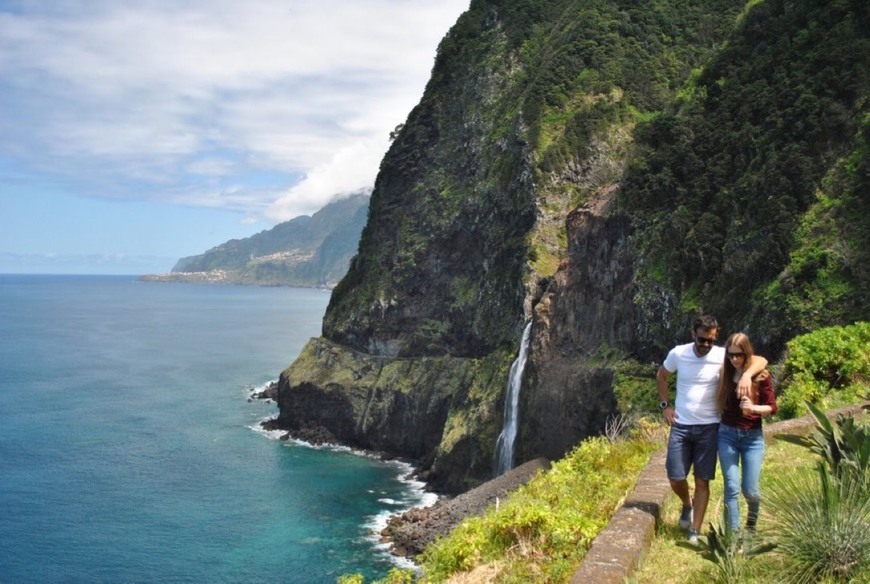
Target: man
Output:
[(694, 418)]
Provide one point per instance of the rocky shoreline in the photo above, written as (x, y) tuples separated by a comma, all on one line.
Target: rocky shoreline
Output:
[(408, 533)]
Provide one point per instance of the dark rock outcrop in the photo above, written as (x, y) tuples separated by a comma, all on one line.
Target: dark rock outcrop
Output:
[(586, 305), (438, 412), (410, 532)]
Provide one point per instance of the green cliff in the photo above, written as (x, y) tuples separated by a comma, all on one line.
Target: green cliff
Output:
[(308, 251), (606, 169)]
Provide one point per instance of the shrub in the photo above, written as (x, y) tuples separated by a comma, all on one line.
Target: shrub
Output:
[(828, 367), (394, 576), (844, 447)]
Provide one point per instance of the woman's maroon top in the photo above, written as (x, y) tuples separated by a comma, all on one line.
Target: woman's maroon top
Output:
[(733, 415)]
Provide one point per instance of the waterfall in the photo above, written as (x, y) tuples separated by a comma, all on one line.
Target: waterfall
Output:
[(504, 447)]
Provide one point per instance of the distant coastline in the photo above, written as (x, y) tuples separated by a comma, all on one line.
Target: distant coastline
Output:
[(227, 277)]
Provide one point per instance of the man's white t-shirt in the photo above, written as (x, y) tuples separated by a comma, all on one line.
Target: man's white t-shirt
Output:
[(697, 380)]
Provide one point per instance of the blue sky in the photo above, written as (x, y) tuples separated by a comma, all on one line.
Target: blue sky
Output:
[(136, 133)]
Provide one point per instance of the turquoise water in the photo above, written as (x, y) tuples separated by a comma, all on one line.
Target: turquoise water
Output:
[(130, 451)]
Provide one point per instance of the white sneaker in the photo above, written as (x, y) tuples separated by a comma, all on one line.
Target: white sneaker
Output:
[(693, 536)]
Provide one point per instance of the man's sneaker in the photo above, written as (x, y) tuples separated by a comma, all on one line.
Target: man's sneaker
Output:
[(693, 536), (686, 517)]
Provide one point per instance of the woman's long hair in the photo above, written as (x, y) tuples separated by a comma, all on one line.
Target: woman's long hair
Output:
[(727, 385)]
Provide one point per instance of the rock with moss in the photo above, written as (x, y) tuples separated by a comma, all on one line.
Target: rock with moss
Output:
[(439, 412)]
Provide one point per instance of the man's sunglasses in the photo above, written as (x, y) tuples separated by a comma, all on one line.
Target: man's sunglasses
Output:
[(704, 341)]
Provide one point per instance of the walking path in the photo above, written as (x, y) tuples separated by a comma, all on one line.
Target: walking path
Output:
[(619, 550)]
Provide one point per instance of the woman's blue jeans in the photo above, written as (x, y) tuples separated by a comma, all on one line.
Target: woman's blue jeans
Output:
[(741, 450)]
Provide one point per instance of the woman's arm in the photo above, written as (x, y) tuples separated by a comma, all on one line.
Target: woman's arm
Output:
[(766, 405)]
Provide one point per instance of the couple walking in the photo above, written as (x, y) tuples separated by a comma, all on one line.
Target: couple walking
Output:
[(722, 393)]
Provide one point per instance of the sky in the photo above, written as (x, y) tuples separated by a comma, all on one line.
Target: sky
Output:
[(134, 133)]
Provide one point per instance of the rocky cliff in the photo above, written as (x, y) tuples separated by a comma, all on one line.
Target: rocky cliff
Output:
[(606, 169)]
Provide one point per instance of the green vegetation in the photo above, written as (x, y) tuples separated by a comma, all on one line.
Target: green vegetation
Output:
[(826, 279), (843, 449), (395, 576), (756, 175), (305, 251), (738, 133), (529, 111), (729, 551), (822, 528), (635, 388), (819, 523), (828, 367), (821, 520), (543, 530)]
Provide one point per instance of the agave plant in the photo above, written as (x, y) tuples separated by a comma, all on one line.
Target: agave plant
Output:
[(728, 550), (844, 447), (821, 520), (821, 526)]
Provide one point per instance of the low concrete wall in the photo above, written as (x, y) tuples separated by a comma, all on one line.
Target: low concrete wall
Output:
[(619, 550)]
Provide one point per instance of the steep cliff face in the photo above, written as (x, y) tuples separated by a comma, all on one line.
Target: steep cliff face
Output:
[(587, 305), (564, 166), (441, 263)]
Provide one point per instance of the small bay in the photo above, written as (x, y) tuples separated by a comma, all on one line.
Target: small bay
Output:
[(130, 450)]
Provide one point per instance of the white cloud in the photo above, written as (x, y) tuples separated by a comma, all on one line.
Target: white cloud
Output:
[(351, 169), (184, 101)]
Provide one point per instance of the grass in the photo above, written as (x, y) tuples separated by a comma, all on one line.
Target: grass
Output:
[(668, 563), (541, 532)]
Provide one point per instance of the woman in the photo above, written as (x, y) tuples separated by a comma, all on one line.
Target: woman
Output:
[(741, 441)]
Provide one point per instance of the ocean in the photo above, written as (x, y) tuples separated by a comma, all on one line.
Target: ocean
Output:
[(130, 447)]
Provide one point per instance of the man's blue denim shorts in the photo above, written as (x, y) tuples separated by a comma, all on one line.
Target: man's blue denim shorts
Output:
[(692, 446)]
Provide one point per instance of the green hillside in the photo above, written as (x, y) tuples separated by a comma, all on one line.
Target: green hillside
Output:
[(307, 251)]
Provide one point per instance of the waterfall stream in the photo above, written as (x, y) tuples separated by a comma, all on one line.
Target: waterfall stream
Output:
[(504, 447)]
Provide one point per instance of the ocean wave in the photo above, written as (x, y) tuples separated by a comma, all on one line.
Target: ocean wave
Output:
[(255, 389), (258, 427), (415, 494), (255, 392)]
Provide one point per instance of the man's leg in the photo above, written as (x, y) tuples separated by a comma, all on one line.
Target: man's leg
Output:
[(702, 497), (677, 465), (681, 489), (705, 454)]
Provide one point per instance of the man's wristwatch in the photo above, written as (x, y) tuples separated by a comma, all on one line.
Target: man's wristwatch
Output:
[(663, 405)]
